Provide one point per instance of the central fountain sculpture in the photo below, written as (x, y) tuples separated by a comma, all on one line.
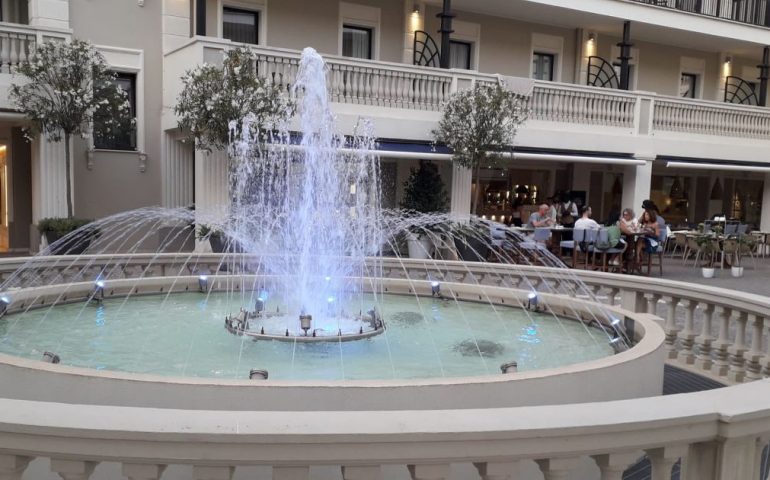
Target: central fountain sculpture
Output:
[(309, 205)]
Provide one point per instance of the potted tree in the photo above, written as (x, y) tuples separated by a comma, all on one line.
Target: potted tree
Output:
[(709, 247), (56, 229), (64, 90), (739, 245), (478, 125), (424, 193)]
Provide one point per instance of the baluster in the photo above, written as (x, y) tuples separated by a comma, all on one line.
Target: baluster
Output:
[(766, 359), (754, 356), (12, 466), (613, 465), (23, 48), (5, 53), (737, 369), (687, 335), (670, 327), (704, 340), (368, 78), (652, 303), (662, 460), (612, 295), (418, 92), (14, 46), (721, 364), (72, 469), (377, 87), (335, 83), (390, 100), (558, 468), (346, 82), (498, 470), (409, 91)]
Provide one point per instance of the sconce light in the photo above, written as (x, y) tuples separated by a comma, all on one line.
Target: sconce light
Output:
[(591, 37), (416, 9), (140, 3), (728, 60)]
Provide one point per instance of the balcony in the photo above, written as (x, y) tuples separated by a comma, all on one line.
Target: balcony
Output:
[(17, 43), (752, 12), (405, 102)]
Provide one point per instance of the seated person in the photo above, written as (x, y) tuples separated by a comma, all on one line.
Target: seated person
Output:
[(585, 222), (628, 224), (541, 218), (650, 228)]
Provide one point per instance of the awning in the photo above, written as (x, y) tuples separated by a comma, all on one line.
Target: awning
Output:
[(737, 167)]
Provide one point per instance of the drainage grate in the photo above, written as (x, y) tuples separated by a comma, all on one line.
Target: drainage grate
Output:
[(677, 380)]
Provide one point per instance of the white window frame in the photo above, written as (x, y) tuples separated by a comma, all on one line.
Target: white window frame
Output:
[(692, 66), (469, 33), (552, 45), (364, 16), (258, 6), (128, 60)]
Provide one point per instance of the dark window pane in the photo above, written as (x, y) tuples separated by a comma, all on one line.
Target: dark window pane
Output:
[(460, 55), (687, 85), (356, 42), (240, 26), (542, 66), (125, 137)]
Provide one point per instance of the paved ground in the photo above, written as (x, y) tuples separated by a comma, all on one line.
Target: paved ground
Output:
[(754, 280)]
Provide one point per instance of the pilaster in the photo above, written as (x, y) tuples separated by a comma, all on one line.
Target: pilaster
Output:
[(49, 13), (636, 184)]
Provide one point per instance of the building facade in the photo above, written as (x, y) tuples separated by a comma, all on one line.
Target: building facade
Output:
[(629, 99)]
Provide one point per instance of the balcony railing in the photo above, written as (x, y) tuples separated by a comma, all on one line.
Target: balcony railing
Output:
[(754, 12), (407, 87), (17, 43)]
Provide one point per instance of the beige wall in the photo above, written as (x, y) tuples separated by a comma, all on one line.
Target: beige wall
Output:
[(115, 183), (506, 45), (297, 24)]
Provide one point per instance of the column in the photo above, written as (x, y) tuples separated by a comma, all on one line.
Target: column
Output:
[(49, 13), (613, 465), (438, 471), (73, 469), (687, 335), (462, 179), (142, 471), (176, 23), (498, 470), (765, 221), (49, 187), (703, 359), (636, 184), (211, 188), (12, 466), (178, 165), (558, 468)]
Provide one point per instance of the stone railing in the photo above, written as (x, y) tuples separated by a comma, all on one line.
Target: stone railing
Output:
[(714, 435), (401, 86), (711, 118), (17, 43)]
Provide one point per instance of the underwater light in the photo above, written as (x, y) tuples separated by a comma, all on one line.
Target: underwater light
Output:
[(203, 283), (257, 374), (259, 305), (435, 288), (98, 294), (330, 300), (4, 303), (532, 301), (50, 357), (510, 367)]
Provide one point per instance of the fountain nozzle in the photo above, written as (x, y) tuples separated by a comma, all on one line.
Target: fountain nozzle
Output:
[(305, 322)]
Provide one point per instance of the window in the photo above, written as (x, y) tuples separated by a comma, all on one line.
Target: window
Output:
[(688, 85), (240, 26), (356, 42), (631, 74), (124, 138), (460, 55), (542, 66)]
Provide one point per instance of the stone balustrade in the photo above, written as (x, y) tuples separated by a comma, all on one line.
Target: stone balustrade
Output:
[(722, 333), (414, 88), (17, 43)]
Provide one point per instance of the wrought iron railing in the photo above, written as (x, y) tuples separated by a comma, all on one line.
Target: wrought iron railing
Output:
[(754, 12)]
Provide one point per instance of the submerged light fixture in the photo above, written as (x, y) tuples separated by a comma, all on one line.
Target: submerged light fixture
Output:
[(257, 374), (435, 288), (532, 301), (50, 357), (5, 302), (203, 283), (98, 294)]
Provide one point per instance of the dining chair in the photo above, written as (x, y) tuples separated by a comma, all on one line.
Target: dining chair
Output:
[(731, 228), (680, 242), (602, 247), (742, 229), (578, 236)]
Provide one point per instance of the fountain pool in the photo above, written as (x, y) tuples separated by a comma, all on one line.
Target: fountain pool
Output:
[(182, 335)]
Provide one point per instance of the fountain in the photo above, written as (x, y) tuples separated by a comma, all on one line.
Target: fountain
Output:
[(312, 286)]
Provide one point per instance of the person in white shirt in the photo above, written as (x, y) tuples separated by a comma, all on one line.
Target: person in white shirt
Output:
[(586, 222)]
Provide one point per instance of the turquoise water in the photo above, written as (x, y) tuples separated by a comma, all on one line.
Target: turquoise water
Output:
[(184, 335)]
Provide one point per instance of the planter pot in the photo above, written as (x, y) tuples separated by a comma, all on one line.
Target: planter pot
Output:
[(708, 272), (217, 243), (72, 246), (420, 246), (471, 249), (736, 271)]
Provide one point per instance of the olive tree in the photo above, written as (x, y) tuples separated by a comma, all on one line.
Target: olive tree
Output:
[(479, 123), (215, 98), (65, 89)]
